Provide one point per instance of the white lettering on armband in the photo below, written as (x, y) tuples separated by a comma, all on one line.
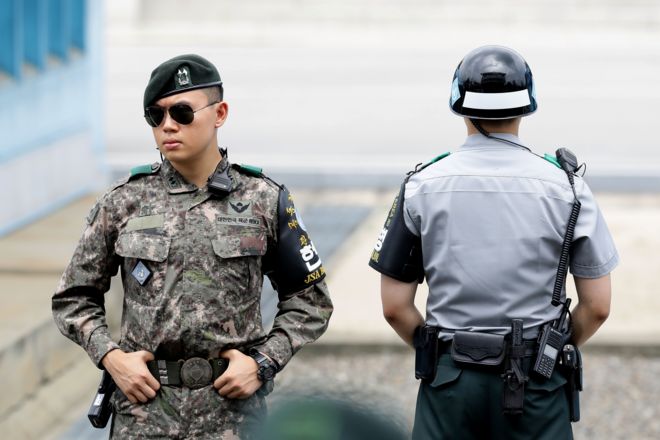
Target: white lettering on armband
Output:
[(308, 253), (380, 240)]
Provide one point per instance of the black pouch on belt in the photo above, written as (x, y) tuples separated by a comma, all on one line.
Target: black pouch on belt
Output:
[(425, 341), (474, 349)]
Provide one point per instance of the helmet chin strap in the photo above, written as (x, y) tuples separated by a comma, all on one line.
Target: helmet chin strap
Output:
[(477, 124), (482, 130)]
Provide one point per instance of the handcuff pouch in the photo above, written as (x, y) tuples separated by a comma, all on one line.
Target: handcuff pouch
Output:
[(478, 349)]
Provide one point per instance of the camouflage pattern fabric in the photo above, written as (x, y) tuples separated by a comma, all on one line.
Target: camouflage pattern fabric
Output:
[(182, 413), (191, 268)]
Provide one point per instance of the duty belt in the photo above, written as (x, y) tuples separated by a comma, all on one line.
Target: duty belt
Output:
[(530, 347), (193, 373)]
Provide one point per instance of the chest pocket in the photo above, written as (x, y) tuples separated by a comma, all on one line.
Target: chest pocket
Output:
[(239, 257), (143, 246), (249, 245), (152, 251)]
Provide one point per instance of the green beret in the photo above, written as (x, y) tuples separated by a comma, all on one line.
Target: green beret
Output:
[(180, 74)]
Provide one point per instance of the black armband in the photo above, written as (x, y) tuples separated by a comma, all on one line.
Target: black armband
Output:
[(295, 264), (398, 252)]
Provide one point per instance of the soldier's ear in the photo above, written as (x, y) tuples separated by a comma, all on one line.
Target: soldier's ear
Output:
[(221, 113)]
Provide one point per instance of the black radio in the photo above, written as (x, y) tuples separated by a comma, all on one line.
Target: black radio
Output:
[(220, 183), (100, 411), (551, 340)]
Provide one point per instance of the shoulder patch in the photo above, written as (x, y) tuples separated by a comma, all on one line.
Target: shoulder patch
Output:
[(249, 169), (552, 159), (145, 169)]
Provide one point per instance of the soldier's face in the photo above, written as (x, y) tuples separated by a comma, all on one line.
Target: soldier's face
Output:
[(182, 143)]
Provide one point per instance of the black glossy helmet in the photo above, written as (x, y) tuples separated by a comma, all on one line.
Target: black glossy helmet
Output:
[(493, 82)]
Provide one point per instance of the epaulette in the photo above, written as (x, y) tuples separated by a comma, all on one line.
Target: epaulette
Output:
[(250, 170), (420, 166), (254, 171), (552, 159), (141, 170)]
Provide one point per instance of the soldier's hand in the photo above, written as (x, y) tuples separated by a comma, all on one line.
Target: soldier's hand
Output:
[(130, 373), (240, 381)]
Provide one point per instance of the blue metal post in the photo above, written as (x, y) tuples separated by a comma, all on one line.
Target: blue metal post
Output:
[(35, 32), (11, 42), (59, 28), (78, 21)]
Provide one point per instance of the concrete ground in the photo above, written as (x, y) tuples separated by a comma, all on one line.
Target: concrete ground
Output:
[(51, 381)]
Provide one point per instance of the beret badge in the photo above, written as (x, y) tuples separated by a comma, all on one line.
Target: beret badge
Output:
[(182, 78)]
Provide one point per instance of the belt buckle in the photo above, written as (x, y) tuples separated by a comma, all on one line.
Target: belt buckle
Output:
[(196, 373)]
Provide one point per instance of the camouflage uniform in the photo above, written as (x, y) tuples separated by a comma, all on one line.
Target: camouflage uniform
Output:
[(206, 257)]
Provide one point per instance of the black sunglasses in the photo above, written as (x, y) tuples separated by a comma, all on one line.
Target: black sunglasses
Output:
[(181, 113)]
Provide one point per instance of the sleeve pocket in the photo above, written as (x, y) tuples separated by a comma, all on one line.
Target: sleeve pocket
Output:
[(143, 246)]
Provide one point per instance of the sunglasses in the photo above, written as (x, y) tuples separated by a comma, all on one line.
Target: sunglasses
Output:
[(181, 113)]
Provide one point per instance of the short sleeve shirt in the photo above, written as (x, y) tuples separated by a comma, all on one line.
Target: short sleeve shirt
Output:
[(492, 218)]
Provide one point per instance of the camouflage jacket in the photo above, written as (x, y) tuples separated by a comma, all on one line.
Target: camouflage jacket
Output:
[(192, 267)]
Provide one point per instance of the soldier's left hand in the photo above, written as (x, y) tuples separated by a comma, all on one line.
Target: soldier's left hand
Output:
[(240, 380)]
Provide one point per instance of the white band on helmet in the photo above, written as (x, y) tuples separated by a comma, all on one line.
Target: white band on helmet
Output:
[(496, 101)]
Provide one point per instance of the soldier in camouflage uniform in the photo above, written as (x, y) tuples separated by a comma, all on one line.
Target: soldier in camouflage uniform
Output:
[(194, 360)]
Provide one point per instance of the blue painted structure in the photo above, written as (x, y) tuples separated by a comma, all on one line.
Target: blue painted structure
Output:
[(50, 105)]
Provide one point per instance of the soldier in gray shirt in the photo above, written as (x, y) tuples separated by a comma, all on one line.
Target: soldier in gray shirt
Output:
[(485, 226)]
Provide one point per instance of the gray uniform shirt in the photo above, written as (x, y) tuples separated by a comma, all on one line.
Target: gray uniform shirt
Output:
[(492, 218)]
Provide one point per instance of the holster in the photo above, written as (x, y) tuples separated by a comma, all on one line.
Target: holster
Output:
[(425, 341), (571, 366), (513, 391)]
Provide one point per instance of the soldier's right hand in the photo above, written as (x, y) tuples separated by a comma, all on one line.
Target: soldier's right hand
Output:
[(130, 373)]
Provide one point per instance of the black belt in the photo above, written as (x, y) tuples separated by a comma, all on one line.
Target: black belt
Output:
[(193, 373), (530, 347)]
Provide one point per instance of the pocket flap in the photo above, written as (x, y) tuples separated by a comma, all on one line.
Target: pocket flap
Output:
[(445, 373), (478, 348), (240, 245), (143, 246), (156, 221)]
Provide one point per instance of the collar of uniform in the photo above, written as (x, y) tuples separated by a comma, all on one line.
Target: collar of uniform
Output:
[(174, 181), (480, 141)]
